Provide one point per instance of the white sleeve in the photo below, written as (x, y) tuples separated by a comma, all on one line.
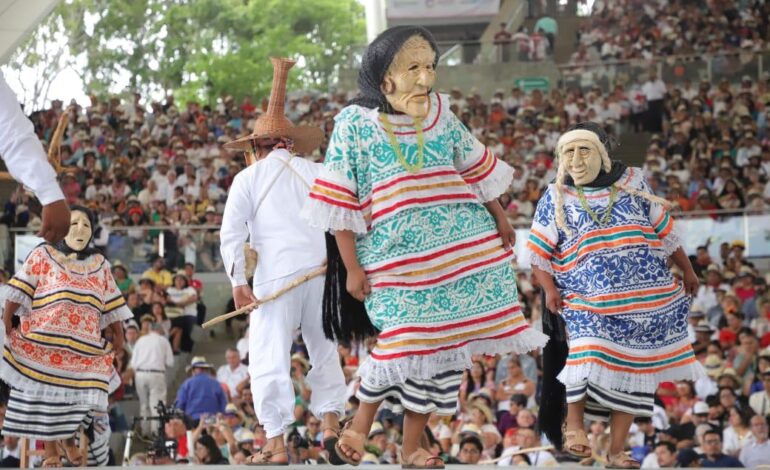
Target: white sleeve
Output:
[(169, 354), (234, 232), (21, 149)]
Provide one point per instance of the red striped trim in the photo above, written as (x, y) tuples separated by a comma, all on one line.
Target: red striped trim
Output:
[(414, 177), (485, 174), (433, 329), (505, 254), (478, 163), (333, 202), (433, 124), (335, 187), (385, 357), (420, 259), (419, 200)]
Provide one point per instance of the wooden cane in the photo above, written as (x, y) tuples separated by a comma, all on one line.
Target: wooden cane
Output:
[(245, 309), (518, 452)]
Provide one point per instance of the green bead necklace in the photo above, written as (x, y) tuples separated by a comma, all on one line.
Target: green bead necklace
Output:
[(587, 208), (411, 168)]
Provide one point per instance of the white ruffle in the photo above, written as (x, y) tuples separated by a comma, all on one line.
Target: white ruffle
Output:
[(673, 240), (94, 398), (380, 374), (628, 382), (16, 296), (537, 260), (495, 184), (327, 217), (119, 314)]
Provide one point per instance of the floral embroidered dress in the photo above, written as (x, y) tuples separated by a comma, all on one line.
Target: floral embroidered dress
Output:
[(443, 287), (626, 315), (57, 353)]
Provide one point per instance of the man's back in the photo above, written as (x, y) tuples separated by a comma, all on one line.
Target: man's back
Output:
[(201, 394)]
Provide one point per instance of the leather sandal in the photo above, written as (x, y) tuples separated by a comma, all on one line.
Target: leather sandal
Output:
[(352, 440), (575, 439), (73, 454), (621, 460), (264, 457), (330, 442), (53, 461), (421, 458)]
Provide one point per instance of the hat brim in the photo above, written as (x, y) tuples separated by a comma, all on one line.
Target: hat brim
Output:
[(306, 139)]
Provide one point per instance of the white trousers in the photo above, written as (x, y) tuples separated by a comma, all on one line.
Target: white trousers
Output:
[(271, 331), (150, 388)]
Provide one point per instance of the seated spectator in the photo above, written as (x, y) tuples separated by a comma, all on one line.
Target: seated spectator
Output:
[(233, 373), (470, 451), (712, 452), (158, 273), (757, 452), (207, 452), (760, 401)]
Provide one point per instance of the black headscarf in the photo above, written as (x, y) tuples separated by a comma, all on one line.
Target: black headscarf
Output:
[(87, 251), (377, 59), (604, 178)]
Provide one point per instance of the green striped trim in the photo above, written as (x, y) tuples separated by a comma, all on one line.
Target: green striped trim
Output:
[(663, 224), (630, 300), (614, 360), (603, 238), (534, 239)]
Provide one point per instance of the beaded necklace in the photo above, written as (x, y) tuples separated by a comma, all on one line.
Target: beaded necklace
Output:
[(587, 208), (411, 168)]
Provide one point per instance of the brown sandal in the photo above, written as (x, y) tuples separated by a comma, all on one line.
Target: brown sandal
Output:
[(264, 457), (53, 461), (420, 459), (330, 442), (577, 438), (621, 460), (73, 451), (352, 440)]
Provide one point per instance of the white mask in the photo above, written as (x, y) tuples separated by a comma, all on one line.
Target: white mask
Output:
[(410, 77), (80, 231), (583, 160)]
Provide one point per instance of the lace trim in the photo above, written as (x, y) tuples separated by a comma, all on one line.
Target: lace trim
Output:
[(16, 296), (495, 184), (380, 374), (94, 398), (327, 217), (121, 314), (673, 240), (537, 260), (629, 382)]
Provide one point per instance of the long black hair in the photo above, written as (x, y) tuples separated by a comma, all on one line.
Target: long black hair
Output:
[(88, 250), (378, 57)]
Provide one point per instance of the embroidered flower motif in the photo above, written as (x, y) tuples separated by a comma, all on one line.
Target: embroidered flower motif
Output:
[(55, 358), (74, 318), (28, 348)]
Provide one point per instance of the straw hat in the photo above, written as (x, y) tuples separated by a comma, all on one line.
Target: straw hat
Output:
[(199, 362), (274, 123)]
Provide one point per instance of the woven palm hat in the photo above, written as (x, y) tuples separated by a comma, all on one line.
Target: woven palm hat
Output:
[(274, 124)]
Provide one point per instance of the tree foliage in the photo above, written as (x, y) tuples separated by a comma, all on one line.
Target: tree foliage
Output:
[(207, 48)]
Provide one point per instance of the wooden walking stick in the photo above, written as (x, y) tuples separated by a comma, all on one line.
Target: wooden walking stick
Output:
[(54, 148), (245, 309)]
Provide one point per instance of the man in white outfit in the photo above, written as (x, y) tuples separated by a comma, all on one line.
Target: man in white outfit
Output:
[(151, 357), (263, 205)]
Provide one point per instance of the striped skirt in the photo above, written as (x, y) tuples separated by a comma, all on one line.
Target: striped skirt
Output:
[(35, 418), (99, 440), (438, 394), (601, 402)]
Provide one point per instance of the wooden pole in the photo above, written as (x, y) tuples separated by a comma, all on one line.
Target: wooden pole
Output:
[(296, 282)]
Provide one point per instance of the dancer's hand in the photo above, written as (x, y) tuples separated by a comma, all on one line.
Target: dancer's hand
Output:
[(243, 296), (690, 282), (507, 233), (553, 300), (56, 221), (357, 284)]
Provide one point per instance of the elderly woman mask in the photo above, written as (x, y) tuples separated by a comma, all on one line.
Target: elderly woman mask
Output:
[(410, 78), (583, 156), (79, 236)]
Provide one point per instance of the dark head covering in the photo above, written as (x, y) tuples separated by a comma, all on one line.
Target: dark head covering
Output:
[(603, 179), (377, 59), (87, 251)]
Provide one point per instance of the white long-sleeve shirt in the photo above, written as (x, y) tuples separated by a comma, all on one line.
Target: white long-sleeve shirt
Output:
[(152, 353), (21, 149), (263, 205)]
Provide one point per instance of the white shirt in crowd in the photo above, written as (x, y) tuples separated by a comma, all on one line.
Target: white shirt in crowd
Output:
[(754, 455), (232, 377), (273, 189), (152, 352), (654, 90)]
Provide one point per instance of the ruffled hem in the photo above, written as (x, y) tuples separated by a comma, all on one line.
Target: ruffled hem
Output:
[(629, 382), (540, 263), (495, 184), (120, 314), (327, 217), (96, 399), (673, 241), (16, 296), (380, 374)]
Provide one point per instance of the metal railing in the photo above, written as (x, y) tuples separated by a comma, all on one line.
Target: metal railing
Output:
[(134, 247)]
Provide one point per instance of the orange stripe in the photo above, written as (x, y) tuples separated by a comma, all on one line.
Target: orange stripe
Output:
[(453, 338), (630, 369), (611, 352), (481, 169), (452, 262), (604, 231), (334, 194), (599, 298), (543, 238), (612, 244), (618, 309), (667, 230), (446, 184), (539, 251)]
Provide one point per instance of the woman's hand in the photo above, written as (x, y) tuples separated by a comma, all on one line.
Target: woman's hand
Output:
[(357, 284), (553, 300), (690, 282), (507, 233)]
